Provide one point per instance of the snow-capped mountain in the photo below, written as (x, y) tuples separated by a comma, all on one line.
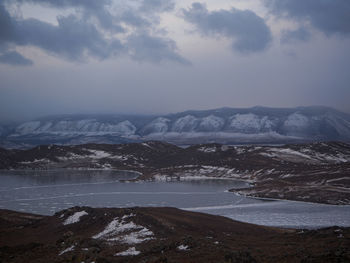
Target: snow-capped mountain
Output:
[(225, 125)]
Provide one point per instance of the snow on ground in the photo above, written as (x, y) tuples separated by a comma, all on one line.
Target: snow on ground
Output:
[(128, 216), (147, 145), (125, 232), (187, 123), (136, 237), (66, 250), (192, 172), (211, 123), (207, 149), (75, 218), (304, 155), (288, 151), (96, 154), (249, 123), (44, 160), (182, 247), (338, 179), (130, 252), (69, 156)]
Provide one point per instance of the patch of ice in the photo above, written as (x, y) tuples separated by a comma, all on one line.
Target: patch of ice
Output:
[(130, 252), (75, 218)]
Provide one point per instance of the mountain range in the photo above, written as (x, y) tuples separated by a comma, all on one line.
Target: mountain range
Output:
[(224, 125)]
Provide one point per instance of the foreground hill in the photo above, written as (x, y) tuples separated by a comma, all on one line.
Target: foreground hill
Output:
[(225, 125), (99, 235), (315, 172)]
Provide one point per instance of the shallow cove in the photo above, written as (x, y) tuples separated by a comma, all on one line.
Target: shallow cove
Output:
[(46, 192)]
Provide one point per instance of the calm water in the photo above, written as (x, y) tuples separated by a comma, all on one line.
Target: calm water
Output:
[(46, 192)]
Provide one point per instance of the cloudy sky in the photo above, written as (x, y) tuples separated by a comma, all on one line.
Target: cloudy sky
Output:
[(161, 56)]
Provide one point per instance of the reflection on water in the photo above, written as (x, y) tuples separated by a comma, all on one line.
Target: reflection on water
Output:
[(46, 192)]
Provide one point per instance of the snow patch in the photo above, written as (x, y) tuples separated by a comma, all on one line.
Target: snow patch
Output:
[(182, 247), (75, 218), (296, 121), (67, 250), (124, 232), (250, 123), (96, 154), (211, 123), (207, 149), (185, 124), (159, 125), (130, 252)]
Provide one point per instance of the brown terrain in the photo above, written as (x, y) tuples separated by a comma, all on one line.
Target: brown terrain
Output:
[(100, 235), (315, 172)]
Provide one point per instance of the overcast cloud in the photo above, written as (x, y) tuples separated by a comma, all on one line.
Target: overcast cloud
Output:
[(161, 56), (248, 31), (77, 37), (328, 16)]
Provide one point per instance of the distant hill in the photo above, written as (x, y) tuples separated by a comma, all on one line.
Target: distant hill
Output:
[(224, 125)]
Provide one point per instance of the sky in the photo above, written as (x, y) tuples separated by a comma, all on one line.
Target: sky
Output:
[(163, 56)]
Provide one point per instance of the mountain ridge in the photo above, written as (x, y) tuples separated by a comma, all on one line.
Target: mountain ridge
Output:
[(222, 125)]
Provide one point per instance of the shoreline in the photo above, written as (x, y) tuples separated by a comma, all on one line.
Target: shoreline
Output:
[(141, 177)]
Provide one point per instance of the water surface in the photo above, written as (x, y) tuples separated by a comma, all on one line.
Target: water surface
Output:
[(46, 192)]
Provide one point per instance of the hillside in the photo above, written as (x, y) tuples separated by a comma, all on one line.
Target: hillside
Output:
[(83, 234)]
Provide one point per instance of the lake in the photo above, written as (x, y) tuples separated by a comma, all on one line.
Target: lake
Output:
[(46, 192)]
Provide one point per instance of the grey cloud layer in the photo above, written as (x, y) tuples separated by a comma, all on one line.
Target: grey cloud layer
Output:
[(153, 49), (248, 31), (300, 34), (78, 37), (328, 16), (14, 58)]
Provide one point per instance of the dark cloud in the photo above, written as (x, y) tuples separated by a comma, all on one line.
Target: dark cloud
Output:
[(90, 4), (72, 38), (329, 16), (144, 47), (291, 36), (6, 27), (90, 8), (131, 18), (14, 58), (77, 37), (248, 31)]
